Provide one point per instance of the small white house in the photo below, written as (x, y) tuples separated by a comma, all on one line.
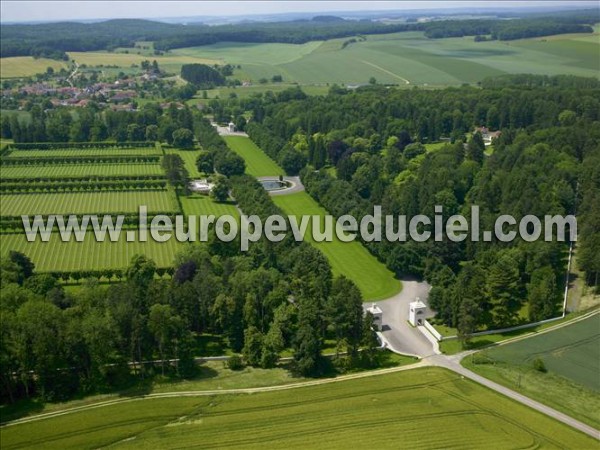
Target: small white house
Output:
[(377, 314), (416, 313), (231, 127)]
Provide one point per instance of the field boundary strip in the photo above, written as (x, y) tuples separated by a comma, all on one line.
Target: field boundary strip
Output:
[(385, 70)]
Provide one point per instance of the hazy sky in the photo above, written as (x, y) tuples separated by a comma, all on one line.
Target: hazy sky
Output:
[(18, 11)]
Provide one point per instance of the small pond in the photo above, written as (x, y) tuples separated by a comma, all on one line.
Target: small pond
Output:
[(274, 185)]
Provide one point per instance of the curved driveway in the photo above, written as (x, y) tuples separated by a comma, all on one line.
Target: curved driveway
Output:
[(399, 335)]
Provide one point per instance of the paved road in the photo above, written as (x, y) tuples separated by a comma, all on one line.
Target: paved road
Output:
[(399, 334), (296, 185), (453, 363)]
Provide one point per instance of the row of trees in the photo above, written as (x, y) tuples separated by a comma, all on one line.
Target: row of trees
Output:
[(91, 125), (216, 156), (87, 186), (49, 160)]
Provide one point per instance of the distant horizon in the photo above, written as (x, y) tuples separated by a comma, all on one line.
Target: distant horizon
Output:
[(30, 12)]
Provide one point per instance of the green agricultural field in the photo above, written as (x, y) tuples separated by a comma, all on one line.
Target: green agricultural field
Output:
[(255, 89), (572, 351), (258, 163), (571, 355), (169, 62), (407, 59), (69, 152), (350, 259), (421, 408), (80, 170), (87, 202), (189, 158), (89, 255), (26, 66)]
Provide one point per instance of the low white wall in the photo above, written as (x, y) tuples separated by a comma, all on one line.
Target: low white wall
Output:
[(432, 330)]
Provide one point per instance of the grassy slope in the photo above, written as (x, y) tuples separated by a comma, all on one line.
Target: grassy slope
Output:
[(25, 66), (400, 57), (171, 63), (571, 355), (258, 164), (383, 411), (351, 259), (392, 58)]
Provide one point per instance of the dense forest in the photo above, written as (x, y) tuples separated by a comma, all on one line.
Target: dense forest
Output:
[(374, 142), (54, 39)]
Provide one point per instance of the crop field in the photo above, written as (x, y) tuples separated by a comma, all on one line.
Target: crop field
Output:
[(572, 352), (421, 408), (258, 163), (350, 259), (87, 202), (189, 159), (89, 254), (408, 59), (80, 170), (257, 89), (26, 66), (571, 355), (76, 152), (169, 62)]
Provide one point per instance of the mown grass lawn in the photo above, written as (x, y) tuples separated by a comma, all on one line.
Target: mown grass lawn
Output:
[(81, 170), (258, 163), (203, 205), (157, 201), (419, 409), (571, 355), (189, 158), (56, 255), (350, 259)]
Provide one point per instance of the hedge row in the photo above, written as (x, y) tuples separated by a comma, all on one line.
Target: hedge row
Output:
[(61, 180), (120, 159), (89, 186), (82, 145)]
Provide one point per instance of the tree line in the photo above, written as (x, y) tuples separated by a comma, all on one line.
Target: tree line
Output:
[(60, 129)]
